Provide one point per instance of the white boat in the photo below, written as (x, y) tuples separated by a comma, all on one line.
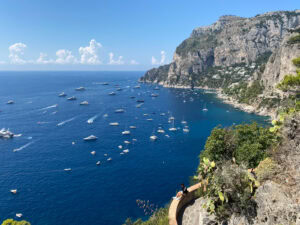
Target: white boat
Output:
[(160, 131), (119, 110), (156, 88), (72, 98), (84, 103), (139, 105), (10, 102), (13, 191), (114, 124), (154, 95), (19, 215), (105, 154), (150, 119), (112, 93), (120, 146), (132, 127), (90, 138), (153, 137), (93, 152), (173, 128), (105, 115), (138, 86), (119, 89), (183, 122), (6, 133), (204, 109), (126, 150), (67, 169), (171, 118), (186, 130), (145, 114), (127, 142), (80, 89), (98, 163), (109, 159), (167, 135), (162, 114), (126, 132), (134, 139), (63, 94)]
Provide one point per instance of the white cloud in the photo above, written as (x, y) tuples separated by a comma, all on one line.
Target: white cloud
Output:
[(154, 61), (16, 51), (65, 57), (163, 57), (119, 61), (43, 59), (133, 62), (89, 54)]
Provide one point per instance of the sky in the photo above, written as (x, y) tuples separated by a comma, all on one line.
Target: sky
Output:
[(108, 34)]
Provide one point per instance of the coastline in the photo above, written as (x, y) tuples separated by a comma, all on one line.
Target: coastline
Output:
[(226, 99)]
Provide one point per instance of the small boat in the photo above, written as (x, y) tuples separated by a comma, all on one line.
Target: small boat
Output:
[(80, 89), (63, 94), (98, 163), (13, 191), (93, 152), (126, 132), (90, 138), (138, 86), (145, 114), (6, 133), (132, 127), (150, 119), (84, 103), (154, 95), (19, 215), (119, 89), (134, 139), (173, 129), (73, 142), (72, 98), (10, 102), (104, 83), (105, 115), (105, 154), (127, 142), (162, 114), (156, 88), (167, 135), (119, 110), (132, 97), (186, 130), (183, 122), (112, 93), (140, 100), (109, 159), (171, 118), (204, 109), (153, 137), (67, 169), (120, 146), (139, 105), (126, 150), (160, 131), (114, 124)]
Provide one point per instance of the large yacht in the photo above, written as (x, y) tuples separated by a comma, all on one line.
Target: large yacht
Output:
[(6, 133)]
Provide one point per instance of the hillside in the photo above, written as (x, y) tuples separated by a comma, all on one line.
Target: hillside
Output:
[(236, 55)]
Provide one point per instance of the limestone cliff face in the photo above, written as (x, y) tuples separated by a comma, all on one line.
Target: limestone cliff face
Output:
[(231, 40), (280, 63)]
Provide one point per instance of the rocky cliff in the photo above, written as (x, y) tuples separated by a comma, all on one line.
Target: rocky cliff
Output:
[(229, 42)]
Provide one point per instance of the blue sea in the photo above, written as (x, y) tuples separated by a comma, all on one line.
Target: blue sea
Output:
[(102, 194)]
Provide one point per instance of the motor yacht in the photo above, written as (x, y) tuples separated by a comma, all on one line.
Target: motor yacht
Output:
[(90, 138)]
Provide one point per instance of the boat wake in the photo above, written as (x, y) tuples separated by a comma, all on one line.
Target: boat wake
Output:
[(23, 147), (49, 107), (92, 119), (64, 122), (17, 135)]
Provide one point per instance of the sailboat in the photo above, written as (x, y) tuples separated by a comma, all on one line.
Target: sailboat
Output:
[(173, 128), (204, 109)]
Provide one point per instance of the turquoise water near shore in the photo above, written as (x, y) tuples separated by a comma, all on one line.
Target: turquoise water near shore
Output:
[(104, 194)]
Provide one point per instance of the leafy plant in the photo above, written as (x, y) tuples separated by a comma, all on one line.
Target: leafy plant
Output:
[(15, 222)]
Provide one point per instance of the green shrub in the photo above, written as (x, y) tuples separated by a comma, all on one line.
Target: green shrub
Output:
[(296, 61), (294, 39), (266, 169), (14, 222), (247, 143), (289, 81), (160, 217)]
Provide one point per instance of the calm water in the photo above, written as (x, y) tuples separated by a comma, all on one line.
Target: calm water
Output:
[(91, 194)]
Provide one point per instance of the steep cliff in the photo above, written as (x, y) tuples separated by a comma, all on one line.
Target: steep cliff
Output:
[(202, 59)]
